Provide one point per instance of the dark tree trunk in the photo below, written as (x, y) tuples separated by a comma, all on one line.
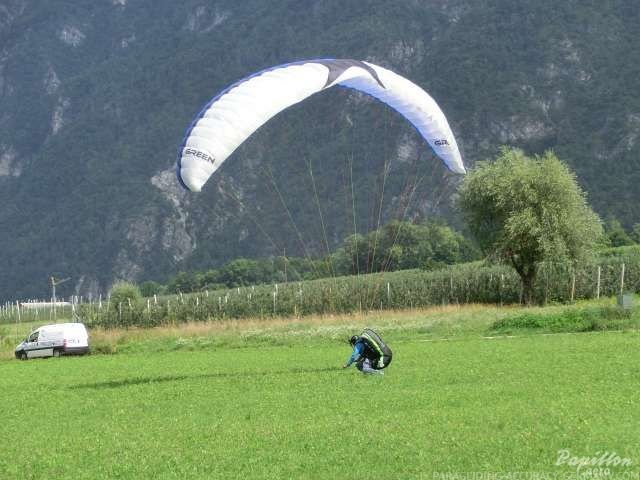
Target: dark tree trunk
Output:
[(528, 282), (527, 273)]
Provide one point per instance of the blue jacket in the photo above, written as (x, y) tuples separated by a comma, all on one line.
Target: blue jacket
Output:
[(358, 350)]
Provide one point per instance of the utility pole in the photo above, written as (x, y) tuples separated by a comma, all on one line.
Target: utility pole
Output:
[(55, 282)]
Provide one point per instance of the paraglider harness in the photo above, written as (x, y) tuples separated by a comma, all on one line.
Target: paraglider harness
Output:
[(375, 349)]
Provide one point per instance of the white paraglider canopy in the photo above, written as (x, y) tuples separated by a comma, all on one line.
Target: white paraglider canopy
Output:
[(238, 111)]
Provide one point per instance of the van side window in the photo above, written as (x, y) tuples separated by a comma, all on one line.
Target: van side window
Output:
[(33, 337)]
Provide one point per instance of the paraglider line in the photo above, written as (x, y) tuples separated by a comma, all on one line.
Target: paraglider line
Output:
[(324, 231), (353, 209), (387, 167), (244, 207), (293, 223)]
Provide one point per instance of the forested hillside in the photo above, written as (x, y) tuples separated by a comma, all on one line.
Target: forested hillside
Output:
[(95, 98)]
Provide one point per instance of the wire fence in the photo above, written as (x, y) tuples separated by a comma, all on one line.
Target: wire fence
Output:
[(469, 283)]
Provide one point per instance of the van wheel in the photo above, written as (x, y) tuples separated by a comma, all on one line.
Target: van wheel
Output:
[(23, 356), (56, 353)]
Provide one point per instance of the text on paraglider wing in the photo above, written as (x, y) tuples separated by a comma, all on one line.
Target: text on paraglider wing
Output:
[(441, 142), (199, 154)]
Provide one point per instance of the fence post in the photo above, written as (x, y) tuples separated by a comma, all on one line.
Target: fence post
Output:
[(546, 284), (451, 285), (598, 284), (466, 294), (573, 287), (622, 280), (17, 321), (275, 294)]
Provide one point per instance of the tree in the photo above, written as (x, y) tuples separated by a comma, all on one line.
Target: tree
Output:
[(401, 245), (444, 246), (636, 233), (525, 211), (183, 282), (616, 234), (241, 272), (125, 293), (150, 288)]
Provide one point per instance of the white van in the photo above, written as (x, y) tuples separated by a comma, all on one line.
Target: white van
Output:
[(54, 340)]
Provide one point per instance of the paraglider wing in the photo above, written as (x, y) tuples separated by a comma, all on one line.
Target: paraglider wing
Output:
[(234, 114)]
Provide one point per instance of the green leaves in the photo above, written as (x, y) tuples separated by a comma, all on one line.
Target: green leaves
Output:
[(125, 293), (527, 210), (403, 245)]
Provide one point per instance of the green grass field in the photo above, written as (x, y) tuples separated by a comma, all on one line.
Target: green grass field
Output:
[(283, 408)]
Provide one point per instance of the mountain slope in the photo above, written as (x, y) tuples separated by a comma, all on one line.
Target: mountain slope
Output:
[(95, 99)]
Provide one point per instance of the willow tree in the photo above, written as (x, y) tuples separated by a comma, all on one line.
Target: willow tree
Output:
[(528, 210)]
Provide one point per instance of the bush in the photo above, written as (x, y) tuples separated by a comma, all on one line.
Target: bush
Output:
[(125, 293), (149, 289), (570, 320)]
